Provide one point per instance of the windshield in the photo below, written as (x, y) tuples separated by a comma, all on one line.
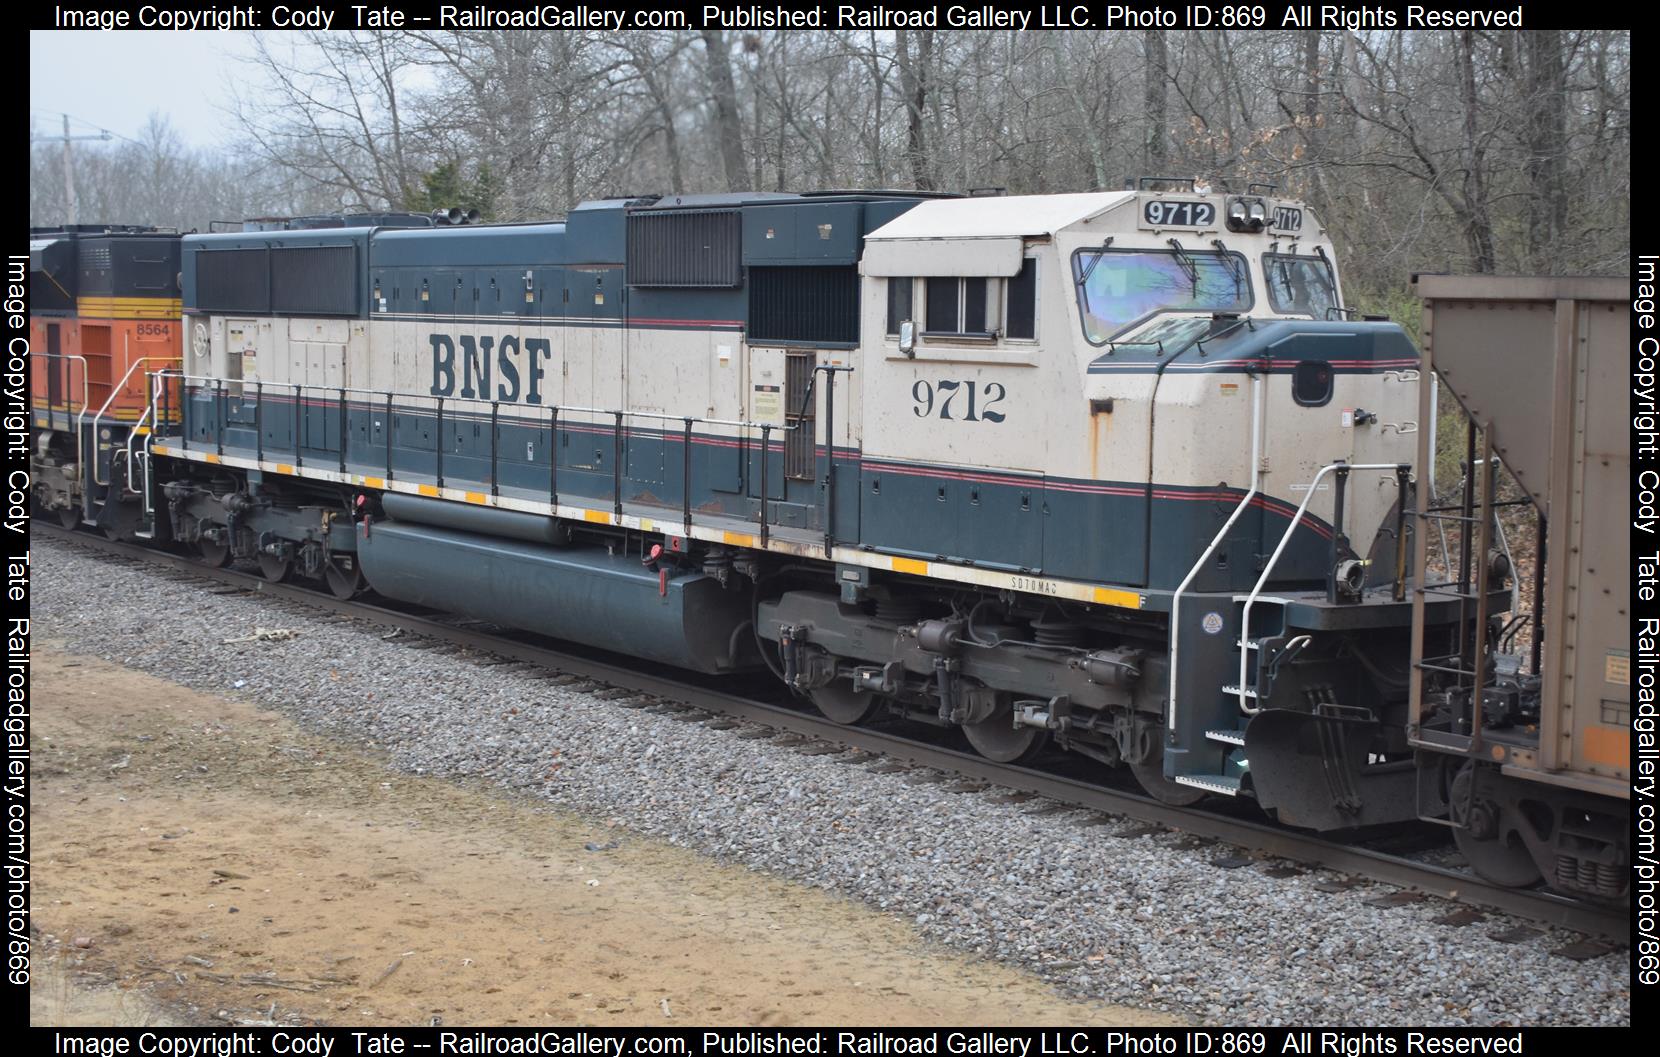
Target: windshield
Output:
[(1300, 286), (1119, 287)]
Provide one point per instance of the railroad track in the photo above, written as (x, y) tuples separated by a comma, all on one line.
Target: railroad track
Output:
[(1248, 835)]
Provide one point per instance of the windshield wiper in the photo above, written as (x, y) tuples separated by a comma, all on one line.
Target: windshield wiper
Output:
[(1236, 268), (1102, 252), (1284, 272), (1189, 265)]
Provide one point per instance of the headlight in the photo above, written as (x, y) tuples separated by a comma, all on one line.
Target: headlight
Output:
[(1247, 214)]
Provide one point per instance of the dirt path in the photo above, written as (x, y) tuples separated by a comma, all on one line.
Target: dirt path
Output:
[(216, 856)]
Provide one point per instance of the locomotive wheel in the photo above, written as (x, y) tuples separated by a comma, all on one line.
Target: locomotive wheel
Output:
[(1501, 858), (840, 703), (343, 576), (69, 517), (273, 568), (1150, 775), (998, 739), (214, 553)]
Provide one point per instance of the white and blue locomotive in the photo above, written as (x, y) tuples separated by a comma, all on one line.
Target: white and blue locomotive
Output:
[(1116, 472)]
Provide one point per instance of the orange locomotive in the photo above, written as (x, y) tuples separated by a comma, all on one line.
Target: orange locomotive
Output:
[(104, 314)]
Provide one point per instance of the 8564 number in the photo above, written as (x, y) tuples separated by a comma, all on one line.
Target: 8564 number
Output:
[(958, 401)]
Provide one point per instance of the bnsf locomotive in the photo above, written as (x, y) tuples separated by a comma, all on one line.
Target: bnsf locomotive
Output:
[(103, 314), (1114, 472)]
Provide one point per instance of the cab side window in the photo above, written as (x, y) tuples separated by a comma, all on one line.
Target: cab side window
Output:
[(957, 306), (901, 289), (1311, 383), (1020, 317), (979, 307)]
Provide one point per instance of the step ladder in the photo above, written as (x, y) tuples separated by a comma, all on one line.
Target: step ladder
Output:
[(1267, 641), (1263, 643), (139, 464), (1212, 783)]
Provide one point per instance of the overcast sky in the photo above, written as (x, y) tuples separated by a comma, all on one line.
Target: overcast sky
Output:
[(116, 79)]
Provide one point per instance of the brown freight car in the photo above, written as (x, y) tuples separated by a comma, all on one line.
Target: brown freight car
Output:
[(1526, 752)]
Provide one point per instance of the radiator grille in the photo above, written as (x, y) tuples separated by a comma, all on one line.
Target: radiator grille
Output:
[(233, 280), (819, 305), (314, 280), (702, 248)]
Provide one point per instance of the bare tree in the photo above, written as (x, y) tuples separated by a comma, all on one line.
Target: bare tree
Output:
[(913, 88), (330, 109), (1546, 100), (1154, 100), (723, 90)]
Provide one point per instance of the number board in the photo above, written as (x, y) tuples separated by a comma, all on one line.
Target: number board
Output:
[(1171, 213), (1287, 218)]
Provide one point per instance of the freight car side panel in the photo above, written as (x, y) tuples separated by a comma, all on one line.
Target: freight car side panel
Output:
[(1593, 687)]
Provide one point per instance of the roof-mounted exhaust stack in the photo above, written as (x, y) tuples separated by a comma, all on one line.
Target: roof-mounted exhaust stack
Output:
[(455, 215)]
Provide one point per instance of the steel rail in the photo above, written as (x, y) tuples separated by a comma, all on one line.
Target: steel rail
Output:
[(1535, 905)]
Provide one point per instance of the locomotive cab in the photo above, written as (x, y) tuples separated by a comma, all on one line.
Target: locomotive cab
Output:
[(1213, 438), (1124, 349)]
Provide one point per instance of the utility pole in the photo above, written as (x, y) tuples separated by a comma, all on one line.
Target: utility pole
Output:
[(71, 205)]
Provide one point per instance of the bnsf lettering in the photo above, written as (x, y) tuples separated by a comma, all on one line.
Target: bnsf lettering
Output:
[(475, 358), (518, 367), (508, 389)]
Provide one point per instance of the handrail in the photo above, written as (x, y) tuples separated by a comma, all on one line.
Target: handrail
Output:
[(80, 456), (1273, 559), (115, 391), (486, 401), (161, 377), (85, 397), (1258, 396), (131, 433)]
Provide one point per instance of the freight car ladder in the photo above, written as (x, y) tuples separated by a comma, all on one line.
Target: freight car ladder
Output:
[(1470, 586)]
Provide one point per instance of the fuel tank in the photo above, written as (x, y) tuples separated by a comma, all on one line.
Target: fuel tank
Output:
[(486, 521), (582, 594)]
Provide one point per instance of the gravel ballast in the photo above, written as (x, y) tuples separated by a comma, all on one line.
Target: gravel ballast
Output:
[(1138, 920)]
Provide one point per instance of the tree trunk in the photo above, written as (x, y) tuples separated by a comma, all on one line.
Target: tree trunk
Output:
[(1478, 223), (1155, 154), (1310, 119), (725, 93), (671, 147), (913, 85), (1547, 134)]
